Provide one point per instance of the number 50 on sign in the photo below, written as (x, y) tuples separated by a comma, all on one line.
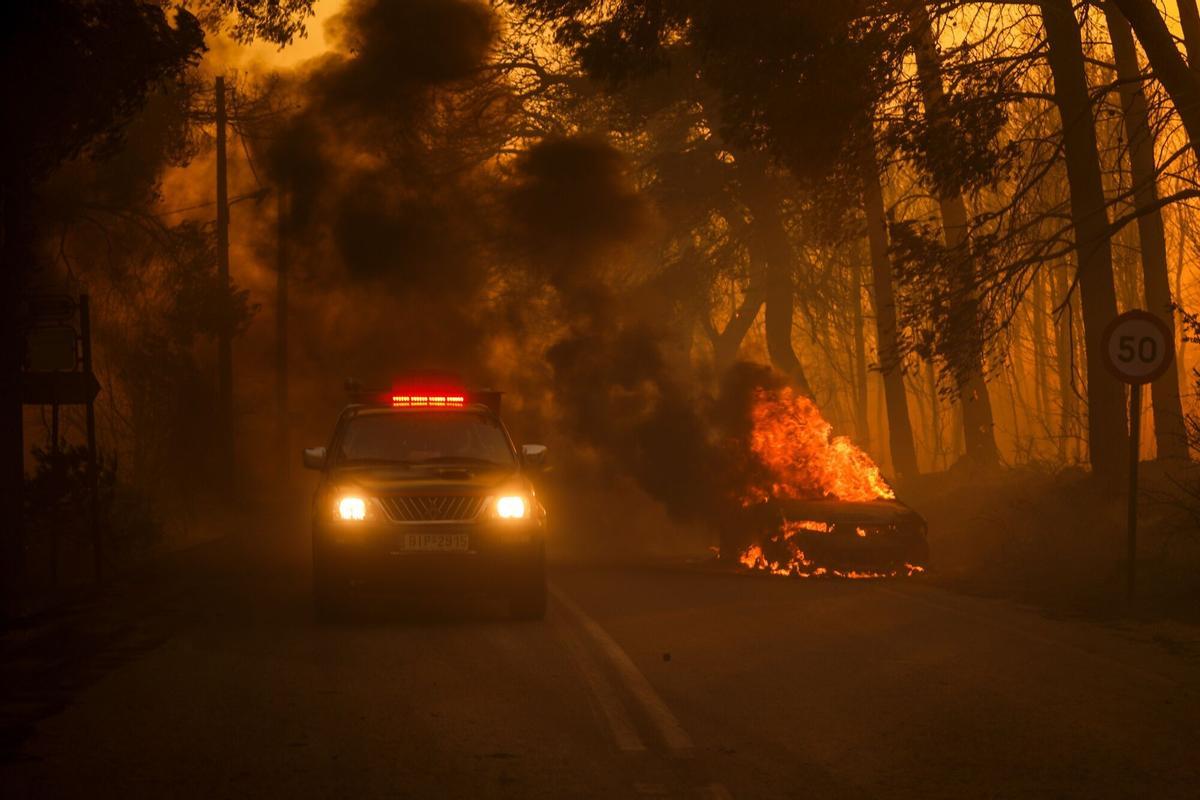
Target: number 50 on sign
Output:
[(1138, 347)]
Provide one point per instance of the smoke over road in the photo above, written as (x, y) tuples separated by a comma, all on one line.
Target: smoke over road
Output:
[(416, 249)]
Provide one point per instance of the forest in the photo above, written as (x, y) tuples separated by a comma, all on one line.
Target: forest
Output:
[(921, 215)]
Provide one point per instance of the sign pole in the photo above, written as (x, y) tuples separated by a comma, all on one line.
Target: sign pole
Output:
[(225, 329), (54, 435), (59, 372), (281, 336), (1135, 429)]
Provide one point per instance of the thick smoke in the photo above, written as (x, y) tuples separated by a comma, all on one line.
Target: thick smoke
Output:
[(614, 384), (386, 219), (418, 252)]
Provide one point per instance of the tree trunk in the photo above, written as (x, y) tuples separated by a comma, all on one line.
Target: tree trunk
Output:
[(1108, 438), (1189, 20), (1064, 351), (1169, 433), (727, 342), (900, 435), (862, 428), (1038, 328), (979, 431), (770, 248), (779, 311), (1180, 265), (1180, 81), (937, 453)]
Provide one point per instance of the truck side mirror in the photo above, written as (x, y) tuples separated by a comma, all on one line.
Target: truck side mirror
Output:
[(314, 458), (533, 455)]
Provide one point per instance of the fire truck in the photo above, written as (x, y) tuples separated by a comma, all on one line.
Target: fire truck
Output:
[(420, 488)]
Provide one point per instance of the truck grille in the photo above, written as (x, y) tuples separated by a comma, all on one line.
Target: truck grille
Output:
[(432, 508)]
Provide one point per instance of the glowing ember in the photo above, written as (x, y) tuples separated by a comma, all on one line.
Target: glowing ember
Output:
[(790, 528), (806, 462)]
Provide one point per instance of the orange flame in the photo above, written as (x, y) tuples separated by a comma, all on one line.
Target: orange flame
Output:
[(791, 438), (791, 528)]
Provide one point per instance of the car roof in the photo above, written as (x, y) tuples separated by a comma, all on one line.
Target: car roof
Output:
[(829, 510)]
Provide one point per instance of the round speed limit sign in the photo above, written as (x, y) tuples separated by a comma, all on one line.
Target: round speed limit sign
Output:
[(1138, 347)]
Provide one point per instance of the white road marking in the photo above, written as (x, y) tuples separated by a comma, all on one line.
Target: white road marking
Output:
[(614, 712), (675, 737)]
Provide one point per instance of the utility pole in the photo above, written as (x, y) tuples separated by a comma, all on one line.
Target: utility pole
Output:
[(93, 473), (281, 333), (224, 330)]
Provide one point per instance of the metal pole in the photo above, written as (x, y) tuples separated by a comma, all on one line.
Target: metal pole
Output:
[(224, 329), (85, 332), (1135, 427), (54, 528), (281, 334)]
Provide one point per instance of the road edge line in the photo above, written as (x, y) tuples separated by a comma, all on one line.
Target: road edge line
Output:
[(673, 734), (611, 707)]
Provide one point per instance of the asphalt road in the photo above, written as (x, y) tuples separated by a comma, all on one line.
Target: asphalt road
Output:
[(644, 681)]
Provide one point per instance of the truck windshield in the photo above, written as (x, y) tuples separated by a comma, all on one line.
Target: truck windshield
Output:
[(424, 438)]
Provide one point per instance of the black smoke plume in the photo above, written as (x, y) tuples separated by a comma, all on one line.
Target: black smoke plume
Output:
[(386, 211), (618, 391)]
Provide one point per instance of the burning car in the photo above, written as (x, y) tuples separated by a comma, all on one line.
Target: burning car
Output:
[(807, 538), (820, 505), (421, 487)]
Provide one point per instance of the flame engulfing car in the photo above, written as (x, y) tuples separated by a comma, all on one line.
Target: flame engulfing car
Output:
[(849, 539), (420, 488), (820, 505)]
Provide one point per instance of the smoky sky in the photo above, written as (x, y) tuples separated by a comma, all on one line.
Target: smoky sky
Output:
[(418, 42), (368, 219), (573, 197)]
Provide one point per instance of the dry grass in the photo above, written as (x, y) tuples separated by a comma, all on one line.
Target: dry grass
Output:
[(1057, 539)]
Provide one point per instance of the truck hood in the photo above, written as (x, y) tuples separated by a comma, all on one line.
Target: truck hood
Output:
[(428, 480)]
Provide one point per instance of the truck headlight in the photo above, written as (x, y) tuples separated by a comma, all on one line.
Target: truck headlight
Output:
[(511, 507), (352, 508)]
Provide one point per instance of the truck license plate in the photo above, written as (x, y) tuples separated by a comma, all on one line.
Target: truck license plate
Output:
[(435, 542)]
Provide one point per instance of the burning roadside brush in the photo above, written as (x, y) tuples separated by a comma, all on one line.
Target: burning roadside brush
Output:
[(824, 508)]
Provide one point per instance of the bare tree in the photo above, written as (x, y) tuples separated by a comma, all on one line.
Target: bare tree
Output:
[(900, 435), (1181, 82), (979, 428)]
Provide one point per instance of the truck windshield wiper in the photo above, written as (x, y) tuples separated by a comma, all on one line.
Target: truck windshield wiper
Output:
[(460, 460), (363, 462)]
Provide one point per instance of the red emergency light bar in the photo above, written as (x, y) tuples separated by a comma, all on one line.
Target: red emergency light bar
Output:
[(439, 391), (414, 400)]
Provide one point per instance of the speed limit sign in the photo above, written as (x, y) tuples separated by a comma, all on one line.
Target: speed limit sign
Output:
[(1138, 347)]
